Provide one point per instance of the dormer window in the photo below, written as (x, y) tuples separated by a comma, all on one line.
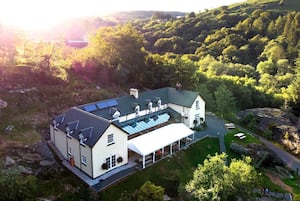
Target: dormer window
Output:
[(55, 124), (150, 106), (159, 104), (85, 134), (82, 139), (137, 110), (116, 115), (68, 131)]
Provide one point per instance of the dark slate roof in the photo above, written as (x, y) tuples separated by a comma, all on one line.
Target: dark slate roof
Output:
[(126, 104), (81, 122), (182, 97)]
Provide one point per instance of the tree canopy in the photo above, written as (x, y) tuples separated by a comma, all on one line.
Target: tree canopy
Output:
[(215, 181)]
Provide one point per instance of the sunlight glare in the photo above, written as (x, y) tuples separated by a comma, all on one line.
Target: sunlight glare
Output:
[(41, 14), (37, 14)]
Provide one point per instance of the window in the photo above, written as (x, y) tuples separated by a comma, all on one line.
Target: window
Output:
[(110, 139), (82, 139), (150, 106), (197, 104), (197, 119), (137, 109), (113, 161), (83, 160), (108, 163), (159, 104)]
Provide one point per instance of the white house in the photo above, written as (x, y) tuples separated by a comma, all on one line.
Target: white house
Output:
[(97, 137)]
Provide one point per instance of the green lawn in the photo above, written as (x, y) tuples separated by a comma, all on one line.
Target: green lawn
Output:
[(264, 181), (230, 138), (294, 183), (168, 173)]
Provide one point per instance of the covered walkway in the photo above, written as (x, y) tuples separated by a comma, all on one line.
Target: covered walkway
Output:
[(161, 142)]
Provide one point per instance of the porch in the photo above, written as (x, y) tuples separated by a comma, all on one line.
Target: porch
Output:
[(160, 143)]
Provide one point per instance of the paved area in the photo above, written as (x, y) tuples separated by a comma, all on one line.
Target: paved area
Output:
[(290, 160), (109, 178), (102, 184), (270, 195), (215, 128)]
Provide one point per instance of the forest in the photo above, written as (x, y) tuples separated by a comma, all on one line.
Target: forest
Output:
[(250, 51)]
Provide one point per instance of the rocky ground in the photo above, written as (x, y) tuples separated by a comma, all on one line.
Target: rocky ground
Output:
[(27, 159), (283, 126)]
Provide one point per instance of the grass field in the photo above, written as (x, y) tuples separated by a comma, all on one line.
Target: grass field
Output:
[(294, 183), (264, 181), (230, 138), (168, 173)]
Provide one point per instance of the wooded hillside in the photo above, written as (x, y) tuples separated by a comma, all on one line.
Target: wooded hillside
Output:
[(250, 50)]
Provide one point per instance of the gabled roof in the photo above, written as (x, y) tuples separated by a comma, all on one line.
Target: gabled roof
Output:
[(125, 104), (81, 122), (182, 97)]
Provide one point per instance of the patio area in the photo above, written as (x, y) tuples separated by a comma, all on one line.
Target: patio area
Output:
[(105, 180)]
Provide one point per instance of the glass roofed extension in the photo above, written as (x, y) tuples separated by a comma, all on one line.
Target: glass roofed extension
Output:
[(145, 122), (139, 126)]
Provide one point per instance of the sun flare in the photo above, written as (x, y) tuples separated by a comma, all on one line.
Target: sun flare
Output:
[(37, 14), (41, 14)]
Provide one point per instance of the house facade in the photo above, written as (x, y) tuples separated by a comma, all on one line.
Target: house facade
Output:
[(97, 137)]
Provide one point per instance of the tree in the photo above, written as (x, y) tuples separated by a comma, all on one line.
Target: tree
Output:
[(225, 101), (229, 52), (273, 51), (119, 49), (266, 67), (281, 3), (150, 192), (207, 96), (13, 186), (214, 181), (271, 30)]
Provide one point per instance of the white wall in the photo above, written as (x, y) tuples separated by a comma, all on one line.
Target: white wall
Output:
[(101, 150), (51, 133), (73, 144), (200, 110), (61, 142), (87, 167), (181, 110), (190, 113)]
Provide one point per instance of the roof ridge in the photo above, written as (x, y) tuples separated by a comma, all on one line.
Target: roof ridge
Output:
[(90, 114)]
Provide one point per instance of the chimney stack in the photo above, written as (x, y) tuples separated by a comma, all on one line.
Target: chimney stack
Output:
[(178, 86), (134, 92)]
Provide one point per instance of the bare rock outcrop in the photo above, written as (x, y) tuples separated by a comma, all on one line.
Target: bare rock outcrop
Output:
[(283, 127)]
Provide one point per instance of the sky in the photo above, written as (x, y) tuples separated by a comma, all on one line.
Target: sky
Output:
[(39, 14)]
